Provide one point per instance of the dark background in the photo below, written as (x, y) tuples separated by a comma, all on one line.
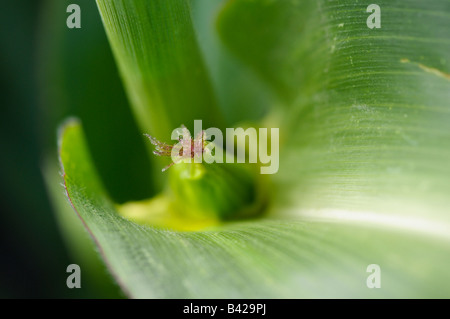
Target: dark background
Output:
[(50, 72), (32, 260)]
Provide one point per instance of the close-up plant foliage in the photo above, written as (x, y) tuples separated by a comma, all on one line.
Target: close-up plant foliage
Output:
[(364, 147)]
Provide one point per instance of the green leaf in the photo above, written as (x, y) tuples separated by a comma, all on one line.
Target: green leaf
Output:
[(256, 259), (364, 165), (96, 281), (366, 125), (156, 50)]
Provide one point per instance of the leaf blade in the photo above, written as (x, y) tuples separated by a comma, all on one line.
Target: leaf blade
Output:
[(367, 110), (257, 259), (156, 50)]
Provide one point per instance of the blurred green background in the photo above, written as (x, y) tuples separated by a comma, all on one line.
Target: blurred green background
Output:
[(50, 72)]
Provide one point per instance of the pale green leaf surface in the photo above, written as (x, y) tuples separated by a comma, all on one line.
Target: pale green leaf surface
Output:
[(367, 119), (256, 259)]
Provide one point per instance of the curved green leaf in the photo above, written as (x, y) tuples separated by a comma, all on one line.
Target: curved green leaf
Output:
[(366, 128), (256, 259), (157, 53)]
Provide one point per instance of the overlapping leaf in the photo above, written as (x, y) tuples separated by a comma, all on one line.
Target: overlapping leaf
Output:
[(364, 173)]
